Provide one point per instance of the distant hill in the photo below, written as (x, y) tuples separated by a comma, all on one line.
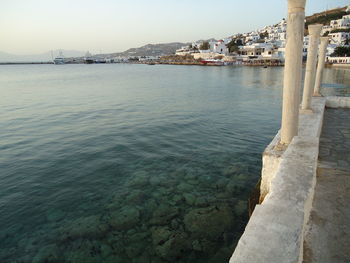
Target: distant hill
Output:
[(151, 50), (43, 57)]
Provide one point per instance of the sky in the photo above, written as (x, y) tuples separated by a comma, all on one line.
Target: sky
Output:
[(37, 26)]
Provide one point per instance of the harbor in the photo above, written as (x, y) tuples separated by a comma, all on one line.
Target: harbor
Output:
[(233, 148)]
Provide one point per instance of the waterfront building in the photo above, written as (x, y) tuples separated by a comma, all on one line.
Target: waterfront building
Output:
[(258, 51)]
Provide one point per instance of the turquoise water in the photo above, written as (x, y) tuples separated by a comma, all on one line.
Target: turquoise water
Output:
[(130, 163)]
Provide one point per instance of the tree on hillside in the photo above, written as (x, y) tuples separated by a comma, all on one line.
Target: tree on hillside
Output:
[(341, 52), (233, 46), (347, 42), (239, 42), (264, 35), (338, 30), (204, 46)]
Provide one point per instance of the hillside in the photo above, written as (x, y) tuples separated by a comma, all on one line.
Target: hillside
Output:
[(326, 16), (151, 50)]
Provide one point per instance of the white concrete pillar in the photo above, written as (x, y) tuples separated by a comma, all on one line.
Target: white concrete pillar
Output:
[(292, 70), (320, 65), (310, 72)]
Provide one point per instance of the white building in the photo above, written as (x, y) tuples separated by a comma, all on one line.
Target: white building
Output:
[(344, 22), (339, 38), (219, 47), (258, 50)]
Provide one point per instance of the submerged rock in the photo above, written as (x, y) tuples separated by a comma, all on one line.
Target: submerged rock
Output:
[(160, 235), (138, 179), (196, 245), (174, 248), (209, 222), (134, 249), (177, 199), (55, 215), (85, 227), (241, 207), (84, 251), (201, 201), (125, 218), (189, 198), (48, 254), (223, 255), (163, 215), (136, 197), (184, 187)]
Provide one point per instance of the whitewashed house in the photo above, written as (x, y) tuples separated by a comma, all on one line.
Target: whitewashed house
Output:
[(257, 50), (339, 38), (342, 23), (219, 47)]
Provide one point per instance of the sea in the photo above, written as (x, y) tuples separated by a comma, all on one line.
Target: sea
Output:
[(133, 163)]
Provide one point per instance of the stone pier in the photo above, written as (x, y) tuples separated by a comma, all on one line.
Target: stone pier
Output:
[(292, 70), (320, 65), (310, 72)]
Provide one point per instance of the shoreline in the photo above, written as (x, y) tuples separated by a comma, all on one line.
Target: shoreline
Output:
[(343, 66)]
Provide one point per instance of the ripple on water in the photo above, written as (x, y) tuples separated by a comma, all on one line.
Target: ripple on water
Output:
[(130, 163)]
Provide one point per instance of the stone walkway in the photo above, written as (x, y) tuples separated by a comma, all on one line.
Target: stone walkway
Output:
[(328, 235)]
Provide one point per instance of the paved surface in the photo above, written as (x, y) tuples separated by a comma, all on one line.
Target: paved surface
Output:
[(328, 236)]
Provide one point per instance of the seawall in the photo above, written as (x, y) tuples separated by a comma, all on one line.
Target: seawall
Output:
[(276, 229)]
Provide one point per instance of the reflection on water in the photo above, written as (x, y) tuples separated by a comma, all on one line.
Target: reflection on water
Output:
[(131, 163), (336, 82)]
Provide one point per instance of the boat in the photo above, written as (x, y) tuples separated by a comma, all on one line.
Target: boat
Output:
[(59, 60), (213, 62), (88, 59)]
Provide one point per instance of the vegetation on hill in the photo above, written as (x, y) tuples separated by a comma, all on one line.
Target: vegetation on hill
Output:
[(325, 17), (151, 50), (204, 46), (338, 30), (233, 46), (341, 51)]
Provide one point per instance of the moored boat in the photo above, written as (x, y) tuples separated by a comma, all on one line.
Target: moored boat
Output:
[(213, 62), (59, 60)]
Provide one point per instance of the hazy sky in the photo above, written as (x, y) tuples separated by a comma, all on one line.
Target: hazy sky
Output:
[(35, 26)]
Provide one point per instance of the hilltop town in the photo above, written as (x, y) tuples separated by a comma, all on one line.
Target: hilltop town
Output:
[(267, 45)]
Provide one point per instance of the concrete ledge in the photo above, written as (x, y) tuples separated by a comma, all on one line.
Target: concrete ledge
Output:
[(310, 125), (338, 102)]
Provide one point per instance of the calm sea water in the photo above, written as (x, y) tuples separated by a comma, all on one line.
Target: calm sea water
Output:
[(132, 163)]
